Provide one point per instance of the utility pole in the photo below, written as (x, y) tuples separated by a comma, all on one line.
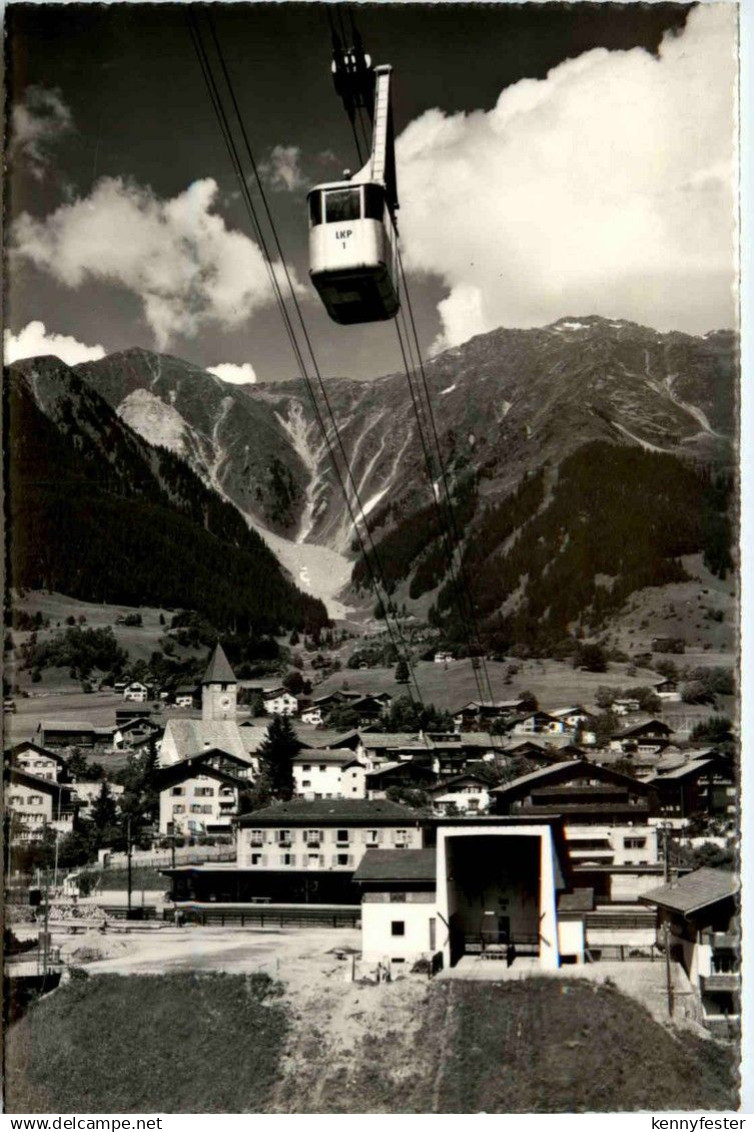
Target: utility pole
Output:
[(128, 864), (665, 925), (57, 840), (45, 949)]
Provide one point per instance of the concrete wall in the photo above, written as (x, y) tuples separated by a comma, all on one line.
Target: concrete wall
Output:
[(378, 942), (571, 939), (628, 887)]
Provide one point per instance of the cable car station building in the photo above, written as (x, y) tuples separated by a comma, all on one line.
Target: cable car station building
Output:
[(488, 887)]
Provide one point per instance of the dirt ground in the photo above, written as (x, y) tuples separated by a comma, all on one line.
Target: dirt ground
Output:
[(334, 1022), (331, 1016)]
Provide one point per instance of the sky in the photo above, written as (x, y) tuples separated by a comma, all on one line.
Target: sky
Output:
[(553, 160)]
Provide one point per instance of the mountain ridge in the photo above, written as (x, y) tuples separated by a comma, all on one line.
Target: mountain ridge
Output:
[(506, 404), (97, 512)]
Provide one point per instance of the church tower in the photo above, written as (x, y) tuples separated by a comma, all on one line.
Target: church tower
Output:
[(219, 688)]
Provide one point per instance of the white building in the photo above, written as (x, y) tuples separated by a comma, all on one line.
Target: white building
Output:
[(35, 804), (38, 761), (322, 835), (278, 701), (324, 773), (199, 795), (488, 891), (466, 793), (312, 715), (136, 692)]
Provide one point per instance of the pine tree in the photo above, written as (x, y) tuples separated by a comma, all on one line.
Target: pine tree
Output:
[(401, 672), (276, 756), (104, 812)]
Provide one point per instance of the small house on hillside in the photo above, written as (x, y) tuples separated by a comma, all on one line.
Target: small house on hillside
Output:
[(650, 737), (60, 733), (186, 696), (279, 701), (481, 713), (625, 706), (668, 691), (136, 692), (313, 716), (539, 723), (466, 793)]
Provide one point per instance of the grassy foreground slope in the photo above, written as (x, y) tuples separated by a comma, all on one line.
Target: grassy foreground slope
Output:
[(227, 1043), (539, 1045), (164, 1043)]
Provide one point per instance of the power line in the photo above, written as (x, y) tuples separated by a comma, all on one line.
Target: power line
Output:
[(464, 580), (448, 526), (227, 133)]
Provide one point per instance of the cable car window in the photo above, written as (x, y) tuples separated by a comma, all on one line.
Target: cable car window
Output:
[(374, 202), (315, 208), (343, 204)]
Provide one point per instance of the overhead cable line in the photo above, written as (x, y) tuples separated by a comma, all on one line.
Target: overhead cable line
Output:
[(373, 567), (445, 514), (463, 576)]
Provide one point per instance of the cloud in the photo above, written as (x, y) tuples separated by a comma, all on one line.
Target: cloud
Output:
[(283, 171), (235, 374), (34, 341), (606, 188), (36, 124), (177, 255)]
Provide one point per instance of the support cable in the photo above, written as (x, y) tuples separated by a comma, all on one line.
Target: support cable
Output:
[(443, 471), (217, 103)]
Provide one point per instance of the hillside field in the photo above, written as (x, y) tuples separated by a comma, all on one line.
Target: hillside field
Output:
[(555, 683), (219, 1042)]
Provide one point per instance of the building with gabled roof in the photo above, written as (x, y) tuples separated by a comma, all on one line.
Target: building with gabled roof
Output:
[(487, 890), (37, 760), (218, 728), (35, 804), (704, 783), (650, 737), (325, 772), (464, 793), (199, 794), (701, 911), (606, 814), (61, 733)]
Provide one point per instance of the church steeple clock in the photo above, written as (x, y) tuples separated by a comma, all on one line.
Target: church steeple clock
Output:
[(219, 688)]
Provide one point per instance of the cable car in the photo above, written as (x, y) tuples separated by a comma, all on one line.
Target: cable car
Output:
[(353, 250)]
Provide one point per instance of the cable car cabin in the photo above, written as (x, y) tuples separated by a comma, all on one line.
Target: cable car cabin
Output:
[(352, 252)]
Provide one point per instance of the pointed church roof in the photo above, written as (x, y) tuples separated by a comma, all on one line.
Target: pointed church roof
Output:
[(218, 669)]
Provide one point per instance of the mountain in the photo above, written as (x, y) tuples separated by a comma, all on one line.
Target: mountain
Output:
[(98, 513), (510, 408)]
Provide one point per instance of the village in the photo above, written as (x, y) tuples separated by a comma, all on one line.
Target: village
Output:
[(517, 841)]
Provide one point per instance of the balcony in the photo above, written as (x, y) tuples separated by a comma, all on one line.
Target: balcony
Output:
[(722, 941), (727, 983)]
